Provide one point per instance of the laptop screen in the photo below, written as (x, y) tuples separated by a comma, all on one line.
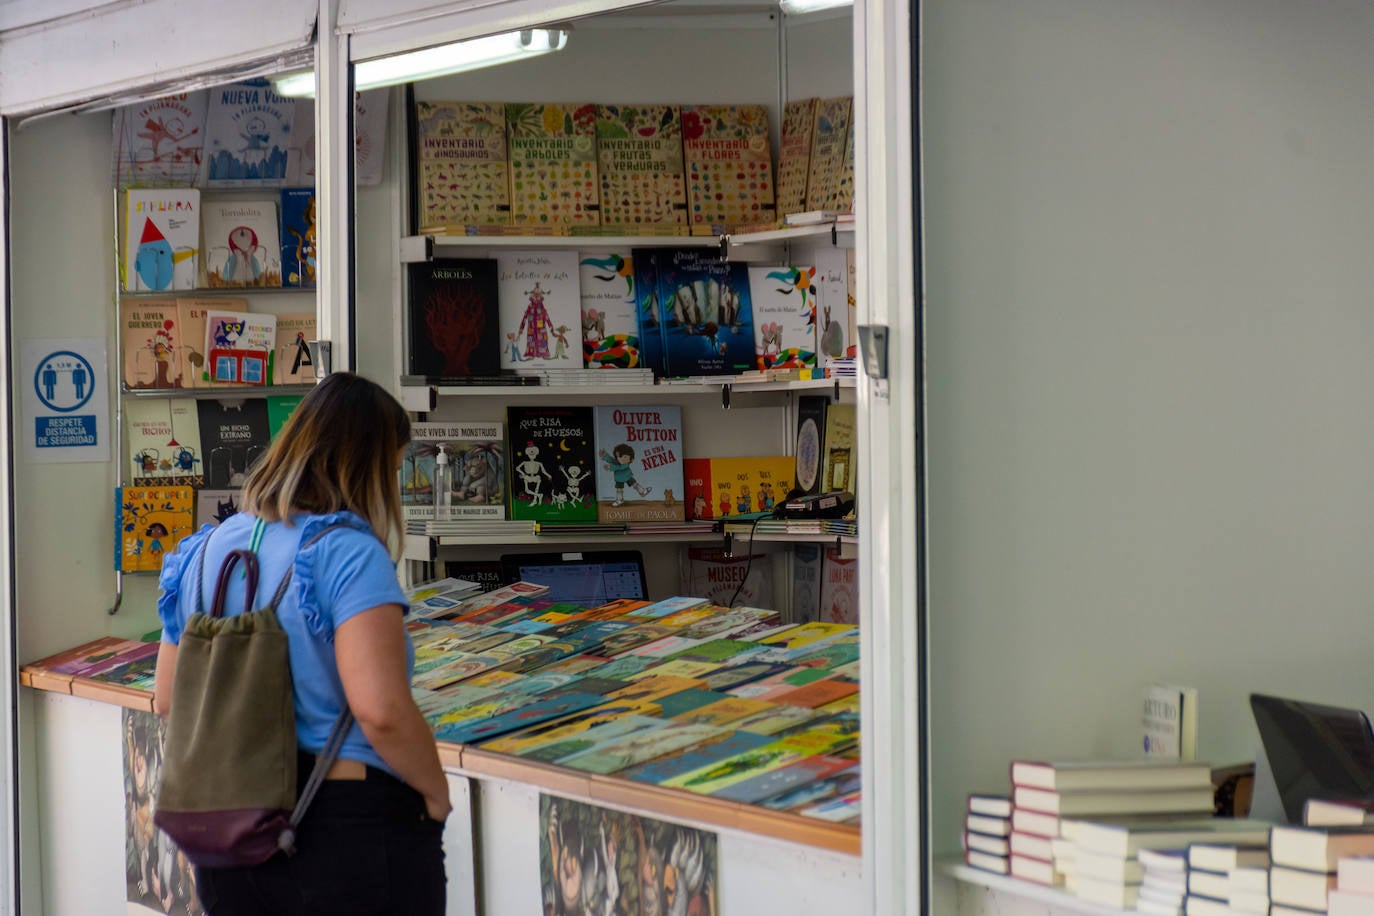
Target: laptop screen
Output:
[(583, 578), (1315, 751)]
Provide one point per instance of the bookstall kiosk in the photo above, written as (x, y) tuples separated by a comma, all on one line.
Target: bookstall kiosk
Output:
[(68, 832)]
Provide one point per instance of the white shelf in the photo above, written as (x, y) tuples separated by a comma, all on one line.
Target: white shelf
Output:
[(226, 392), (416, 248), (1061, 901), (745, 243), (422, 546), (417, 398)]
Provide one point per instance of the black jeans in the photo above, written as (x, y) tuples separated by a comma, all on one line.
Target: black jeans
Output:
[(365, 848)]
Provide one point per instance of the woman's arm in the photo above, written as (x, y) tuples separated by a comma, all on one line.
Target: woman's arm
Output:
[(370, 650), (162, 679)]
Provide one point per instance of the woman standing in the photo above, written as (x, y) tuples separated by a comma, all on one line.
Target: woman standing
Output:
[(371, 841)]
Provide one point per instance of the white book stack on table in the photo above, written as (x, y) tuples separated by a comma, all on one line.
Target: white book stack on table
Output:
[(1048, 796)]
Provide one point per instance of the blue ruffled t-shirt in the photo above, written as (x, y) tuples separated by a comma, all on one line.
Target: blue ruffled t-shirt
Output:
[(343, 574)]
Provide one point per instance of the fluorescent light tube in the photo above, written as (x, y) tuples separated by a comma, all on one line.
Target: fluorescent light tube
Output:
[(800, 7), (438, 61)]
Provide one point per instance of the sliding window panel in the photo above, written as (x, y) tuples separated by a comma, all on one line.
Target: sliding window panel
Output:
[(111, 49)]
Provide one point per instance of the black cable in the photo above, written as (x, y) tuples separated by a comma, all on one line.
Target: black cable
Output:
[(749, 563)]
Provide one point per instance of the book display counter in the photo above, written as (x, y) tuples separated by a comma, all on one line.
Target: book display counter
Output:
[(790, 720)]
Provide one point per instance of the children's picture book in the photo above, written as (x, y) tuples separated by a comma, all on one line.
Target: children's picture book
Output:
[(240, 244), (644, 283), (639, 475), (453, 317), (158, 143), (247, 135), (150, 522), (794, 154), (610, 325), (162, 440), (300, 155), (193, 314), (238, 346), (280, 407), (839, 471), (213, 507), (477, 469), (291, 362), (806, 582), (725, 487), (807, 448), (153, 345), (729, 167), (540, 306), (827, 152), (234, 433), (369, 135), (299, 238), (785, 300), (161, 239), (839, 588), (705, 311), (639, 155), (552, 464), (461, 165), (834, 326), (843, 201), (553, 178), (710, 572)]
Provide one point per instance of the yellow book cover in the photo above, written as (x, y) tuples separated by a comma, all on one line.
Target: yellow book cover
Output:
[(152, 521), (794, 155), (725, 487), (724, 712), (553, 180), (839, 469), (806, 634), (461, 165), (729, 167), (639, 156), (827, 152)]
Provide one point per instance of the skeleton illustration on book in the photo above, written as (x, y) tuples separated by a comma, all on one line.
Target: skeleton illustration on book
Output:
[(530, 470), (575, 478)]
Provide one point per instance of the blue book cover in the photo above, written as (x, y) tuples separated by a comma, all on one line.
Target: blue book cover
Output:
[(533, 714), (644, 267), (665, 768), (298, 238), (247, 134), (705, 312)]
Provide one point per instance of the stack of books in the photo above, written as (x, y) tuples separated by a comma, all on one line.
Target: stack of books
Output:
[(1106, 864), (496, 528), (629, 378), (1305, 862), (1164, 881), (1353, 894), (1226, 878), (1043, 793), (842, 367), (987, 825)]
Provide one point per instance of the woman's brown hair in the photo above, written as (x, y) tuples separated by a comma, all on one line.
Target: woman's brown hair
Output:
[(337, 451)]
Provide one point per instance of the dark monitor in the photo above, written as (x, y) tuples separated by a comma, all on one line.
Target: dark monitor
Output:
[(1315, 751), (587, 578)]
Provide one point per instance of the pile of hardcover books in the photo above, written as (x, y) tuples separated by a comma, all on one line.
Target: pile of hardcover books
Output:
[(1048, 796), (986, 828), (1323, 865)]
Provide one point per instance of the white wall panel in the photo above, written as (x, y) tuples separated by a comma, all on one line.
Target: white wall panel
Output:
[(121, 47)]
